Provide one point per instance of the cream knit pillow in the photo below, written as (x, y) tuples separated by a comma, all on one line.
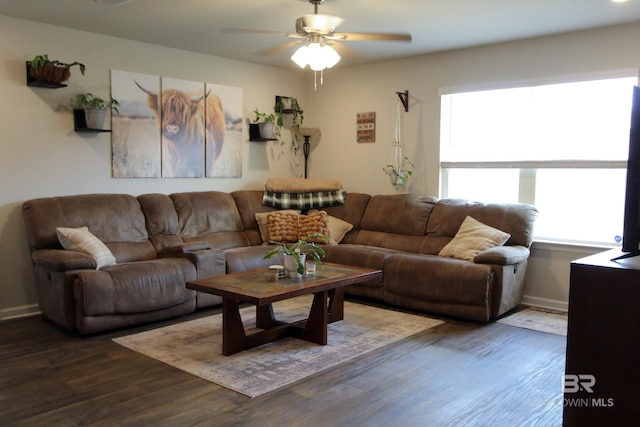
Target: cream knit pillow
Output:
[(472, 238), (81, 240)]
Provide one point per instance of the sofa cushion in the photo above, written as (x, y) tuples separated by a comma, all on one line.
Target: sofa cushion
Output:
[(514, 218), (398, 214), (112, 218), (134, 287), (81, 240), (249, 258), (162, 220), (351, 212), (395, 221), (209, 216), (472, 238), (446, 280)]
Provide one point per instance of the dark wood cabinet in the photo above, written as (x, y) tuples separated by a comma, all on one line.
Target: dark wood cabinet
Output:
[(602, 381)]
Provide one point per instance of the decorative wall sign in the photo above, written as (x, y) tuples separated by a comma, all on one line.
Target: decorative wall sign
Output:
[(366, 127), (189, 129)]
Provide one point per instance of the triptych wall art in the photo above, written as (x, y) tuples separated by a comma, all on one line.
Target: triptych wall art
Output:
[(175, 128)]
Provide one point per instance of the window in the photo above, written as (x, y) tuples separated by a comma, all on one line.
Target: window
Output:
[(562, 147)]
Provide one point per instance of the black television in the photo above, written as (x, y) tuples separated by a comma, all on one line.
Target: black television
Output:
[(631, 228)]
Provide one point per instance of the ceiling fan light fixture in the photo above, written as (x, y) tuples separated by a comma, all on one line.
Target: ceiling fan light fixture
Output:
[(300, 56), (317, 56), (330, 55)]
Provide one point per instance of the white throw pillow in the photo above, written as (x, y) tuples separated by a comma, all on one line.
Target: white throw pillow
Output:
[(81, 240), (472, 238), (337, 229)]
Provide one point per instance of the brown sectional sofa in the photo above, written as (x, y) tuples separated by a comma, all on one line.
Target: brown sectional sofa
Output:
[(161, 241)]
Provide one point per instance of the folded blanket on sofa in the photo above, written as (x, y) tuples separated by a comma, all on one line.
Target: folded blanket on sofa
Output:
[(301, 185), (303, 201)]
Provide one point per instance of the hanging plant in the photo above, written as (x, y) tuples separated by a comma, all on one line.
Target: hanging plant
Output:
[(400, 169), (399, 174)]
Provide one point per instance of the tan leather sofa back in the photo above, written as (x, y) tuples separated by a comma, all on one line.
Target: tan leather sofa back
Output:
[(396, 221), (162, 220), (116, 219), (351, 212), (209, 216), (448, 215), (249, 202)]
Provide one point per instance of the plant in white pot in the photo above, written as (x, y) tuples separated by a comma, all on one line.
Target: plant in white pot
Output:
[(399, 174), (296, 253), (95, 109), (266, 124)]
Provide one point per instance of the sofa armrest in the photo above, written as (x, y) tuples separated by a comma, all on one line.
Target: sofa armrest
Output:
[(503, 255), (184, 248), (62, 260)]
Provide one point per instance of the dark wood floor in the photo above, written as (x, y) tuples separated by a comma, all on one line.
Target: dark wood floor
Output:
[(457, 374)]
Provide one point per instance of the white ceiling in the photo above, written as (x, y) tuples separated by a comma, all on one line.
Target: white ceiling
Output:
[(435, 25)]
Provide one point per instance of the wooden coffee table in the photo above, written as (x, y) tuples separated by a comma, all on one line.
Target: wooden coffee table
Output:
[(255, 287)]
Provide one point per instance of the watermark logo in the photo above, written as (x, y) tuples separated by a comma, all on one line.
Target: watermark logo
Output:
[(574, 383)]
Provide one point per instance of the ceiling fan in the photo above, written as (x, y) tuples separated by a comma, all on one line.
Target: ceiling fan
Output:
[(319, 30)]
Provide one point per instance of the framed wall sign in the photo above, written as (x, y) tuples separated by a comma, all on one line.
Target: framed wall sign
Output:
[(366, 127)]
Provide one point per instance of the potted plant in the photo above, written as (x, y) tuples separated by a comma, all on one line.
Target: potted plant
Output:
[(266, 123), (290, 106), (43, 69), (295, 253), (399, 175), (95, 109)]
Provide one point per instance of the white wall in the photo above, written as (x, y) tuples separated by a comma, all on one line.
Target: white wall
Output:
[(42, 156), (348, 91)]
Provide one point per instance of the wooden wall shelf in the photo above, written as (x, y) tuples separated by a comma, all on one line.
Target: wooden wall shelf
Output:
[(254, 134), (80, 123), (38, 83)]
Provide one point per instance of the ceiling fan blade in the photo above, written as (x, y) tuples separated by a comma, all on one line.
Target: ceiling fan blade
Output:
[(394, 37), (279, 48), (250, 31), (344, 51)]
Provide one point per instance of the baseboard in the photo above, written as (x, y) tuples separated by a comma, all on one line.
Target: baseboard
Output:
[(17, 312), (34, 310), (545, 303)]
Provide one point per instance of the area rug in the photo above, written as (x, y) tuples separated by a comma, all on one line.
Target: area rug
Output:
[(538, 319), (195, 346)]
